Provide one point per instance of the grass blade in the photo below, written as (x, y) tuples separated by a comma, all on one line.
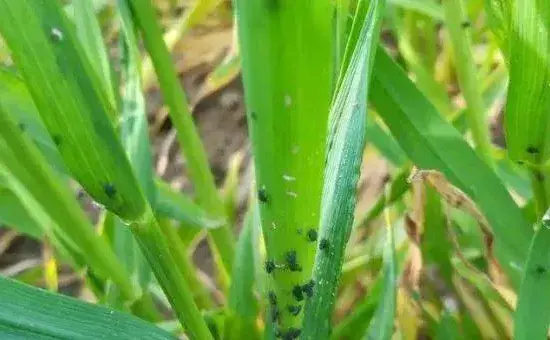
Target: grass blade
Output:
[(528, 102), (243, 306), (346, 142), (532, 315), (381, 326), (467, 76), (71, 103), (66, 90), (432, 143), (29, 312), (188, 138)]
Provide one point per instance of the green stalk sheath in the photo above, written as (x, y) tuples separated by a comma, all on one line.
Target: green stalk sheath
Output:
[(287, 64), (188, 137), (455, 18), (199, 290), (170, 275)]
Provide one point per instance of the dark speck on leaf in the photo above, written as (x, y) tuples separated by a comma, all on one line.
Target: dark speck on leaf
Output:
[(110, 190), (269, 266), (324, 244), (532, 150), (291, 334), (308, 288), (312, 235), (466, 24), (540, 270), (294, 310), (253, 115), (298, 293), (262, 195), (57, 140), (292, 261), (272, 298), (22, 126)]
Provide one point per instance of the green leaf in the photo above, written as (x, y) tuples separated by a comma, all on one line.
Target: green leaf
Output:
[(89, 35), (31, 313), (532, 313), (429, 8), (14, 215), (74, 107), (243, 306), (346, 142), (381, 326), (432, 143), (528, 103)]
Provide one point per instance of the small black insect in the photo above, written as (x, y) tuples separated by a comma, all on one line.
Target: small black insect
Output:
[(292, 261), (312, 235), (291, 334), (269, 266), (532, 150), (275, 313), (262, 195), (110, 190), (22, 126), (520, 162), (324, 244), (272, 298), (253, 115), (298, 293), (57, 139), (294, 309), (308, 288), (540, 270), (466, 24)]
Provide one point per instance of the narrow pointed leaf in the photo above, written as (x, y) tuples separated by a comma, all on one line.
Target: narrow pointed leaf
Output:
[(346, 142), (31, 313), (432, 143)]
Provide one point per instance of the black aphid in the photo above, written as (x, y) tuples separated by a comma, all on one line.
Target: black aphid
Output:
[(292, 261), (308, 288), (294, 309), (538, 175), (269, 266), (312, 235), (298, 293), (110, 190), (532, 150), (272, 298), (262, 195), (540, 270), (57, 139), (466, 24), (292, 333), (324, 244), (253, 115), (22, 126), (275, 313)]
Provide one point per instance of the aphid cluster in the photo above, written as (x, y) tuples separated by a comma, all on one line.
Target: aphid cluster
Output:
[(299, 291)]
